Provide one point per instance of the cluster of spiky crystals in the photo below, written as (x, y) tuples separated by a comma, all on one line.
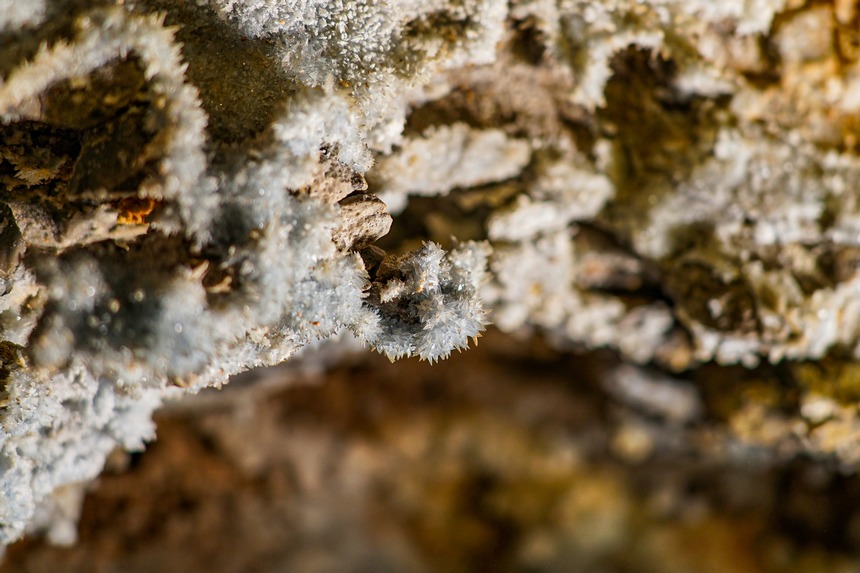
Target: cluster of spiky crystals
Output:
[(165, 226), (428, 301)]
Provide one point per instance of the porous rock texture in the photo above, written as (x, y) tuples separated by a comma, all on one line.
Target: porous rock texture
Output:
[(194, 188)]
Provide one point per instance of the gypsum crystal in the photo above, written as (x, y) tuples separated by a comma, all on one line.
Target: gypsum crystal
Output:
[(428, 301), (147, 260)]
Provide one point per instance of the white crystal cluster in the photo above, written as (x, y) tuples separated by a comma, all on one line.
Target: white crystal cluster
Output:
[(146, 254)]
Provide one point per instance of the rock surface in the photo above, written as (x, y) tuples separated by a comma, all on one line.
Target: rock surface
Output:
[(192, 189)]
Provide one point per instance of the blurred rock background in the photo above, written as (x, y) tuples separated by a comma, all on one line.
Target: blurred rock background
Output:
[(509, 457)]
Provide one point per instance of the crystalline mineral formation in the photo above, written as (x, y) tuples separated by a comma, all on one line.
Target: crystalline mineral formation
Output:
[(190, 189)]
